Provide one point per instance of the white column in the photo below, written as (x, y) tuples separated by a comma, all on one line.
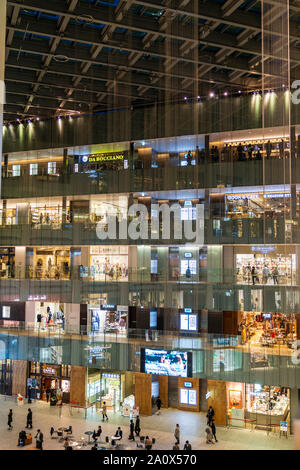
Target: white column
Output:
[(2, 67)]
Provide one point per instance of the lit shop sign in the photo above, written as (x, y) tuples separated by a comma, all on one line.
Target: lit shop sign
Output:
[(108, 307), (263, 249), (188, 255), (188, 384), (276, 195), (111, 376), (49, 371), (236, 197), (102, 157)]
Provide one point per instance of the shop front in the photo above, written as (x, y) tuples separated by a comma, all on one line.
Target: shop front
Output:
[(268, 329), (265, 265), (7, 262), (49, 382), (108, 318), (109, 387), (258, 406), (109, 263), (48, 263), (48, 213), (50, 315)]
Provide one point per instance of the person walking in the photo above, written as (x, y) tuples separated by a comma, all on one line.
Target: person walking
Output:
[(213, 429), (39, 439), (131, 428), (29, 419), (104, 411), (137, 428), (187, 446), (9, 420), (209, 435), (176, 446), (177, 434), (158, 404), (210, 414)]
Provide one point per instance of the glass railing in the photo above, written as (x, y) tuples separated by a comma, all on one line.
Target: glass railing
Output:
[(212, 356), (205, 175), (218, 231)]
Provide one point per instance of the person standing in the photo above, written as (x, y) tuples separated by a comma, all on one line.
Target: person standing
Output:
[(48, 394), (29, 419), (137, 428), (158, 404), (187, 446), (177, 434), (253, 274), (131, 428), (104, 411), (9, 420), (29, 394), (39, 439), (213, 429)]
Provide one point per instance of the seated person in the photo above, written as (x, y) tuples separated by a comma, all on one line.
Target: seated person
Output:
[(119, 433), (22, 437)]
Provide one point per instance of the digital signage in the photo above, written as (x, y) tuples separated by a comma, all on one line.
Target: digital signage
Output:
[(162, 362)]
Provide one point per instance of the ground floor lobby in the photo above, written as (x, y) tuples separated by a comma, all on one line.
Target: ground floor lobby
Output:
[(161, 427)]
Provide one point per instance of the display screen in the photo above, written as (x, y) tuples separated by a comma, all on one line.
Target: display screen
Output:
[(188, 322), (188, 397), (185, 264), (162, 362)]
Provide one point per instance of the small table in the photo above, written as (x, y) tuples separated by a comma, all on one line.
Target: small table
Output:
[(89, 433), (116, 438)]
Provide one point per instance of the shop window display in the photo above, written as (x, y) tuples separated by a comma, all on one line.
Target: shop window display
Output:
[(268, 406), (109, 263), (268, 329), (46, 214), (7, 262), (108, 318), (49, 315), (266, 269), (49, 263)]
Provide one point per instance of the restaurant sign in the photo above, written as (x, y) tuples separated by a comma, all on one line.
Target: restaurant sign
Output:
[(102, 157)]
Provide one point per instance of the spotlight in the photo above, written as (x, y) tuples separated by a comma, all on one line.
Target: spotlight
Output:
[(198, 97), (211, 94), (240, 91), (185, 97), (225, 93), (37, 118)]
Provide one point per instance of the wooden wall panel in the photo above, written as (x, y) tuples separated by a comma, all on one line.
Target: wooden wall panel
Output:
[(164, 390), (142, 392), (218, 400), (78, 385), (19, 377), (230, 322)]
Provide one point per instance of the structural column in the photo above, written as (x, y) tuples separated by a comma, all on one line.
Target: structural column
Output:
[(2, 67)]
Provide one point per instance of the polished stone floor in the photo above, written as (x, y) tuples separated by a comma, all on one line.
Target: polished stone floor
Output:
[(161, 427)]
